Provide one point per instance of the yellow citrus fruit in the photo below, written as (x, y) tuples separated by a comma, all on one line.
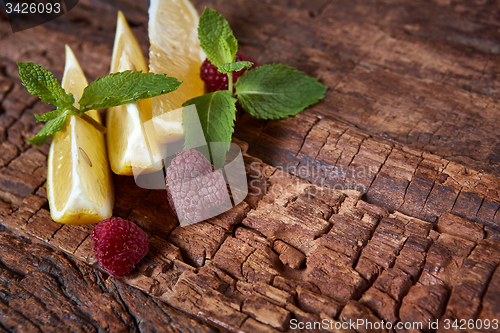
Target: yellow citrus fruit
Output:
[(175, 51), (127, 141), (79, 184)]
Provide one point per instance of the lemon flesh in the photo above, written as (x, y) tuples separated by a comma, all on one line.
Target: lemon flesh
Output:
[(130, 149), (79, 184), (175, 51)]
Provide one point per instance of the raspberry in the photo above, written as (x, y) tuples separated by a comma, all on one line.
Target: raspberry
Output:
[(218, 81), (194, 188), (118, 245)]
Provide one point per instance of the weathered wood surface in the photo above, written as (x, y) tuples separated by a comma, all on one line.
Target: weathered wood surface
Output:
[(290, 250), (424, 73), (338, 155), (410, 120)]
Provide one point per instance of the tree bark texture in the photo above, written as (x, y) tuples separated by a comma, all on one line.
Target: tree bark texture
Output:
[(382, 202)]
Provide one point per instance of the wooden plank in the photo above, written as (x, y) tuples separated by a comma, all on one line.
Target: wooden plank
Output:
[(415, 182), (394, 264), (404, 80)]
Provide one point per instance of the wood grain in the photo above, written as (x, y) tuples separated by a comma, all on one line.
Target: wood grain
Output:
[(295, 250), (380, 203)]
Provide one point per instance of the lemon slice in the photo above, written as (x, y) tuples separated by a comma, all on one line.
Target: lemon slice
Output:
[(175, 51), (79, 184), (128, 145)]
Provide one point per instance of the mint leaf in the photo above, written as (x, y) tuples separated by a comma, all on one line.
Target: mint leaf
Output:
[(110, 90), (69, 110), (48, 115), (216, 38), (216, 113), (125, 88), (277, 91), (42, 83), (50, 127), (234, 66)]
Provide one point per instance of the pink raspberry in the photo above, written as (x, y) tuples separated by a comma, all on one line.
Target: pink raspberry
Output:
[(194, 187), (218, 81), (118, 245)]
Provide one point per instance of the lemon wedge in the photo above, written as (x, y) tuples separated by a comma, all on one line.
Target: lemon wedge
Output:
[(175, 51), (130, 149), (79, 185)]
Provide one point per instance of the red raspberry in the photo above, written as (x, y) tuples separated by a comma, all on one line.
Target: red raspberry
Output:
[(218, 81), (118, 245), (194, 187)]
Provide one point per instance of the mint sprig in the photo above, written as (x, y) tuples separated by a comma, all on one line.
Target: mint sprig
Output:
[(216, 113), (125, 88), (53, 125), (268, 92), (216, 38), (277, 91), (105, 92), (42, 83)]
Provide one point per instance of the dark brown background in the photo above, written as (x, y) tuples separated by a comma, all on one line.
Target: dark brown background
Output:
[(411, 118)]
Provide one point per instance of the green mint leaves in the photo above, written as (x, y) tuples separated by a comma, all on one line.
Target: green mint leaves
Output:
[(125, 88), (42, 83), (267, 92), (216, 38), (52, 126), (105, 92), (234, 66), (277, 91), (216, 113)]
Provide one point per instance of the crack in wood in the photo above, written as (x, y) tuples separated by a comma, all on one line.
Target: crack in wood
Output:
[(126, 308), (409, 183), (316, 121), (456, 198)]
